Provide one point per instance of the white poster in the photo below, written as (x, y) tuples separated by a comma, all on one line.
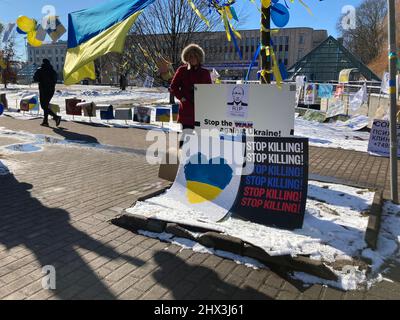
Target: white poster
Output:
[(379, 139), (385, 83), (355, 123), (335, 107), (309, 93), (358, 99), (237, 101), (300, 81), (148, 83), (208, 180), (270, 111)]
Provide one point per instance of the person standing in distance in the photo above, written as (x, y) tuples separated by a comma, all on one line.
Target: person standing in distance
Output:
[(182, 85), (46, 76)]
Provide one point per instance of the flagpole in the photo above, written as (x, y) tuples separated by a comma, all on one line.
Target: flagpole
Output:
[(393, 98)]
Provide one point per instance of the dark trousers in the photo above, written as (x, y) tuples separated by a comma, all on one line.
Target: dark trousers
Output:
[(45, 98)]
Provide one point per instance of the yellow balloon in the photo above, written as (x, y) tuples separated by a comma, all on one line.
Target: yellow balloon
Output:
[(26, 24), (32, 39)]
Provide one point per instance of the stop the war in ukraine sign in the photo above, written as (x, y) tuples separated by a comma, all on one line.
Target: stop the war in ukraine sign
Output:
[(275, 193)]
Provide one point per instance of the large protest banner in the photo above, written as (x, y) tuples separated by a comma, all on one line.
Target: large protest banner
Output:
[(379, 139), (256, 109), (275, 193)]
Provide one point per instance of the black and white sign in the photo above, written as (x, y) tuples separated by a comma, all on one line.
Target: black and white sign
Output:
[(379, 140), (275, 193), (269, 111)]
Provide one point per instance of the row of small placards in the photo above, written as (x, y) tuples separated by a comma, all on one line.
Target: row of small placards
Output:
[(75, 107)]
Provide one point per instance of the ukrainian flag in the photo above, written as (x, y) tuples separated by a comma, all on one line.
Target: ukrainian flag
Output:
[(95, 32)]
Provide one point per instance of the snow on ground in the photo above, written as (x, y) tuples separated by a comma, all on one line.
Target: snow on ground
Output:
[(197, 247), (334, 229), (98, 94), (331, 135)]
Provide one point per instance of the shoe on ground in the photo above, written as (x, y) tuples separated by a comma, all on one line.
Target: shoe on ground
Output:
[(44, 124), (58, 121)]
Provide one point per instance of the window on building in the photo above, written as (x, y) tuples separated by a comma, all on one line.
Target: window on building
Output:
[(285, 62), (247, 48), (301, 38), (287, 48), (299, 54), (280, 47), (57, 59), (56, 51), (287, 40)]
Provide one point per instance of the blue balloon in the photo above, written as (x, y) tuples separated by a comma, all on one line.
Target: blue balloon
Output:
[(20, 31), (280, 15), (1, 109)]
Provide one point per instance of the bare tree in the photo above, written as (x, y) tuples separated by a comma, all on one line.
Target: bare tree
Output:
[(366, 39), (8, 55), (160, 34)]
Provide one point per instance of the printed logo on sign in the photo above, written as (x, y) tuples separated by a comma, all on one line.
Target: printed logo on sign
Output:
[(349, 19), (49, 280)]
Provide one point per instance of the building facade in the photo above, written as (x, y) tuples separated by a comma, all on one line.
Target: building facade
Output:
[(290, 45), (55, 52)]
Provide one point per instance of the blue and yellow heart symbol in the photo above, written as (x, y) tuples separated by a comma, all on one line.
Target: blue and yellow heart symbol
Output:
[(205, 180)]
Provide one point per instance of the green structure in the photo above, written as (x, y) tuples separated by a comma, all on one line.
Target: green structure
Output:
[(25, 75), (325, 62)]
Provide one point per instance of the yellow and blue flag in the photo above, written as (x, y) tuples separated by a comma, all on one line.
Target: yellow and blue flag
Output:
[(95, 32)]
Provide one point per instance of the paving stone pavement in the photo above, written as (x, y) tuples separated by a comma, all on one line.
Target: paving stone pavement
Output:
[(55, 210)]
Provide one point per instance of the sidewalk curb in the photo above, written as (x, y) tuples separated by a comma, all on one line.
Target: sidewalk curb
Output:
[(218, 241), (374, 221)]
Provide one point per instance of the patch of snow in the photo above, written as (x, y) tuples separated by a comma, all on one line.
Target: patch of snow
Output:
[(187, 244), (331, 135), (334, 229)]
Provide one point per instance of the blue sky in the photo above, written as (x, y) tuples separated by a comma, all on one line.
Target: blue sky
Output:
[(325, 13)]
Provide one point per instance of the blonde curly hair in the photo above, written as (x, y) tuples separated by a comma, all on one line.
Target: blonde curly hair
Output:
[(194, 49)]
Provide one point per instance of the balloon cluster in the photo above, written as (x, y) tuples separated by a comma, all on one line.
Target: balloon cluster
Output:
[(28, 26)]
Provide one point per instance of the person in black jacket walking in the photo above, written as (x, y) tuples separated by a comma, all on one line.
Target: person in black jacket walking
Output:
[(46, 76)]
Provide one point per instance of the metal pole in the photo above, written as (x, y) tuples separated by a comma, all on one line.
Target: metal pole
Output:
[(393, 108), (265, 42)]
